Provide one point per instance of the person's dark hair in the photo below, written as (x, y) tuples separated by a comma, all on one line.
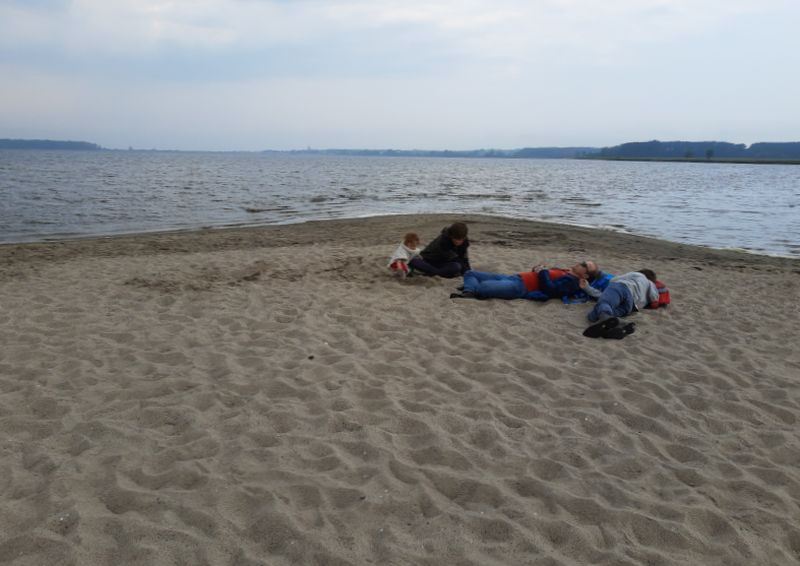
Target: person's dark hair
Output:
[(457, 231), (649, 273)]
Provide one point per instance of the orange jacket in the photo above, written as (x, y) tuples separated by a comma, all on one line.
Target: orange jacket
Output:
[(531, 279)]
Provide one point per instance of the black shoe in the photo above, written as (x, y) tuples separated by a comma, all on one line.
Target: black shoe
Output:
[(619, 332), (597, 329), (615, 333)]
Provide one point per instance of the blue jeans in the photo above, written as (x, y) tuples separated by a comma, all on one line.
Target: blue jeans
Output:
[(616, 300), (494, 285)]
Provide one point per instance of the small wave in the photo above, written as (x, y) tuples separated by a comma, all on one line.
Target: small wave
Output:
[(580, 201), (479, 196), (535, 196), (255, 210), (608, 227)]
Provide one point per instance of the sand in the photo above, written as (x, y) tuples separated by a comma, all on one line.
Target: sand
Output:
[(273, 396)]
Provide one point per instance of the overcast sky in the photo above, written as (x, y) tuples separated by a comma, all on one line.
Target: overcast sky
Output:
[(284, 74)]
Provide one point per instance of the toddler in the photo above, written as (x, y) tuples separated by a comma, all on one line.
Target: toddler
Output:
[(404, 253)]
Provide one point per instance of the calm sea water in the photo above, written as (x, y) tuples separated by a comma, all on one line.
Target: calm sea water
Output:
[(52, 194)]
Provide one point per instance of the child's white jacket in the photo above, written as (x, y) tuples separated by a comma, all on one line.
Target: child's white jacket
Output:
[(404, 253)]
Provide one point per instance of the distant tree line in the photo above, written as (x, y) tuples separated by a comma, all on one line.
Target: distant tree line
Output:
[(48, 144), (670, 150), (554, 152), (528, 152), (700, 150)]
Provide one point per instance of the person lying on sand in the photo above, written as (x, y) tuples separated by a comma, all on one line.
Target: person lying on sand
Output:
[(625, 294), (538, 284), (595, 278)]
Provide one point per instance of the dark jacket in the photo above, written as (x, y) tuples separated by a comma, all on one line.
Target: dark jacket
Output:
[(441, 250), (565, 286)]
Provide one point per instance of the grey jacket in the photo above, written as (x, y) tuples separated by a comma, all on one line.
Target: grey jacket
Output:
[(642, 289)]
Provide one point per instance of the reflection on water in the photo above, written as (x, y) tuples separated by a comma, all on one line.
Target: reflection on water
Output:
[(47, 194)]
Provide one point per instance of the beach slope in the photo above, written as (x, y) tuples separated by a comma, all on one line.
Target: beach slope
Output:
[(274, 396)]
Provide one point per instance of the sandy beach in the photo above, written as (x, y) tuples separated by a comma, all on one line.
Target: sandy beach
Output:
[(270, 396)]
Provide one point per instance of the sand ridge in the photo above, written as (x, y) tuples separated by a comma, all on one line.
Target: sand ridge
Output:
[(273, 396)]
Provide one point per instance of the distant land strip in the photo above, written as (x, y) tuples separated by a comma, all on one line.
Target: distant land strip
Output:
[(743, 160), (527, 152), (677, 151), (762, 152), (49, 144)]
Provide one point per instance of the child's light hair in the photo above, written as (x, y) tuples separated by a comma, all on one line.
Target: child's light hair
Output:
[(411, 239)]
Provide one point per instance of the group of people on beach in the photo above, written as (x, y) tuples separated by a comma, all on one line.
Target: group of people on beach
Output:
[(447, 256)]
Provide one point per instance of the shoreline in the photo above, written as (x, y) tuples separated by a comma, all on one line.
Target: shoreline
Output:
[(233, 235), (273, 395)]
